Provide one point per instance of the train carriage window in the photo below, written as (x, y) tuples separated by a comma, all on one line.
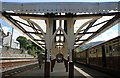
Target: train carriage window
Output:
[(107, 50), (96, 50), (114, 48), (110, 50), (118, 48), (115, 41)]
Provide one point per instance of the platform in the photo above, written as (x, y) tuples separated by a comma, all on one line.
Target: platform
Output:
[(80, 71)]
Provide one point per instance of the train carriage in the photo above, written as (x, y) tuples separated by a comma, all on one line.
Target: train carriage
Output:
[(83, 57), (112, 50), (95, 56), (105, 56)]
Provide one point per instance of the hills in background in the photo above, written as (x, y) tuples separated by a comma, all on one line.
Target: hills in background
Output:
[(88, 45)]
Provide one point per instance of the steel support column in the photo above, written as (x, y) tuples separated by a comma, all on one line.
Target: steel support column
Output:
[(47, 70), (48, 39), (70, 40), (47, 66), (71, 64)]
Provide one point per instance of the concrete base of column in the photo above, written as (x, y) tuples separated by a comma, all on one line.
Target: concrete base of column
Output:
[(66, 65), (52, 64), (47, 70), (71, 70)]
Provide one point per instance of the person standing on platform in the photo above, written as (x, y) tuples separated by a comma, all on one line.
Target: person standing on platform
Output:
[(40, 59)]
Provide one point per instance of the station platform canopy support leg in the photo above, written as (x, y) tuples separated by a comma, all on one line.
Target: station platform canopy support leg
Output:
[(47, 66), (71, 65)]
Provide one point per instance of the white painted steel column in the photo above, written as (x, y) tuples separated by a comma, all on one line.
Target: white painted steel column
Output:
[(48, 40), (71, 37), (48, 37), (71, 41), (70, 55), (48, 55)]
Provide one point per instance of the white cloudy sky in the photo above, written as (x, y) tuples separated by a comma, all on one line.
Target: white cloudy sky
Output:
[(108, 34), (15, 32), (7, 28)]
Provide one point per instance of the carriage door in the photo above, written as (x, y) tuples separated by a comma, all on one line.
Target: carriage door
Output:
[(103, 56)]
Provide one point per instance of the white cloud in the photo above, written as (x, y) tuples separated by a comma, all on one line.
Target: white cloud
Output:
[(6, 29), (107, 35), (16, 34)]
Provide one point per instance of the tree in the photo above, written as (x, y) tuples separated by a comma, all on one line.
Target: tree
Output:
[(29, 45), (23, 42)]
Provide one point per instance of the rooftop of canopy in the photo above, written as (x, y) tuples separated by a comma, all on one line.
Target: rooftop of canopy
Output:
[(62, 7)]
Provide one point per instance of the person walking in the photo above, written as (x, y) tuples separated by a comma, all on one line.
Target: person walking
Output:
[(40, 60)]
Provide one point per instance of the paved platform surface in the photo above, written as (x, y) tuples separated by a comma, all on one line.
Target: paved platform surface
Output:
[(80, 71), (59, 70)]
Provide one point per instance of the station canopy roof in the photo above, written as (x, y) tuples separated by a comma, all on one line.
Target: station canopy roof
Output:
[(90, 19)]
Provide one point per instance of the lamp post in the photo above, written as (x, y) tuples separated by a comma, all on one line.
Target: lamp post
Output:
[(1, 39), (11, 38)]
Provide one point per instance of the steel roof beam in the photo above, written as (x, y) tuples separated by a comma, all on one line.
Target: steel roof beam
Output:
[(34, 33), (21, 28), (81, 40), (39, 40), (105, 27), (86, 33), (38, 16)]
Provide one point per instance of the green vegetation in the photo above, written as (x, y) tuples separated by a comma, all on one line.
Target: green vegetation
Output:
[(28, 45), (23, 42)]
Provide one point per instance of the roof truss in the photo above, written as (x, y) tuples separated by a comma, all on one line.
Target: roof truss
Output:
[(76, 11)]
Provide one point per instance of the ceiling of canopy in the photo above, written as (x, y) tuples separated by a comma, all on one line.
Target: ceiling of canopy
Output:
[(87, 24)]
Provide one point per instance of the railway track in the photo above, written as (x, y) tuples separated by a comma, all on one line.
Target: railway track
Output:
[(11, 63), (10, 67)]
